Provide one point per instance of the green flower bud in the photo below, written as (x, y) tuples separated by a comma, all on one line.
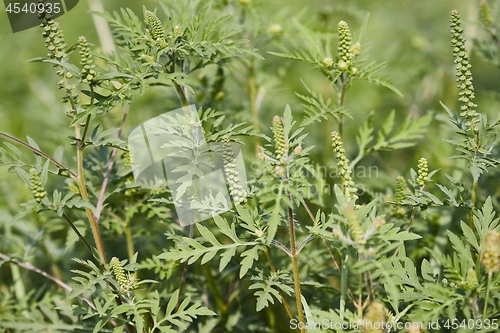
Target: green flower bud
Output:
[(232, 175), (280, 143), (354, 226), (177, 31), (36, 186), (485, 13), (275, 30), (471, 281), (399, 197), (344, 52), (155, 28), (343, 167), (491, 253), (147, 58), (378, 222), (374, 318), (328, 62), (463, 73), (355, 49), (119, 273), (423, 172), (54, 40), (88, 72), (73, 187), (298, 150), (338, 233)]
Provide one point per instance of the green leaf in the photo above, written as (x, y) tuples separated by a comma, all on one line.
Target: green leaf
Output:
[(249, 256)]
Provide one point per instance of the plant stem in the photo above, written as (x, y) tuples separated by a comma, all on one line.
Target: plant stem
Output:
[(337, 266), (128, 237), (473, 202), (30, 267), (253, 100), (100, 200), (343, 285), (295, 265), (341, 100), (369, 285), (184, 272), (41, 153), (486, 299), (215, 293), (182, 95), (77, 232), (83, 190)]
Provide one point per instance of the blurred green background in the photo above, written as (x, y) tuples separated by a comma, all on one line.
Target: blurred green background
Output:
[(412, 37)]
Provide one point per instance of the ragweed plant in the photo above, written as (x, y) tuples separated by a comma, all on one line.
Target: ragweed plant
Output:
[(415, 246)]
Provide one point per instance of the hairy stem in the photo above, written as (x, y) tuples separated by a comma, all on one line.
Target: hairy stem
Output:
[(295, 265)]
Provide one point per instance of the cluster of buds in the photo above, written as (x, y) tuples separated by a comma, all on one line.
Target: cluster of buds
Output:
[(485, 14), (156, 29), (275, 30), (73, 187), (399, 197), (345, 52), (357, 234), (55, 44), (54, 40), (237, 192), (177, 31), (125, 282), (88, 72), (358, 237), (463, 73), (36, 186), (471, 282), (423, 172), (374, 319), (343, 167), (280, 142), (491, 253), (127, 159)]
